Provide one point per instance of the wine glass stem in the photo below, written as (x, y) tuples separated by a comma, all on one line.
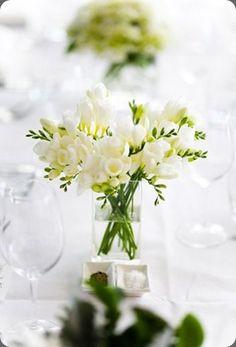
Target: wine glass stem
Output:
[(205, 206), (34, 296)]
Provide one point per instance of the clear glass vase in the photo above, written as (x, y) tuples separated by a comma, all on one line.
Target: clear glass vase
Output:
[(117, 223)]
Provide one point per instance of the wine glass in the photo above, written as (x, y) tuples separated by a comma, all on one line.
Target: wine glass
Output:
[(219, 145), (31, 241), (232, 176), (11, 172)]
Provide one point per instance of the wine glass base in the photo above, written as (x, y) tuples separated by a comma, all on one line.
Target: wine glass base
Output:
[(202, 235), (20, 332)]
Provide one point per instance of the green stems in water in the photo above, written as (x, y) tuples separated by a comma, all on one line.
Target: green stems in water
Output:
[(120, 221)]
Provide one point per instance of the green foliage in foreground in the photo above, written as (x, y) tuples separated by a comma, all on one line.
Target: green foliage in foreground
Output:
[(147, 329)]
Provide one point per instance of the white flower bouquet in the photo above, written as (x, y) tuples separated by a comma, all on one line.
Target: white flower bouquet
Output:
[(112, 155), (122, 30)]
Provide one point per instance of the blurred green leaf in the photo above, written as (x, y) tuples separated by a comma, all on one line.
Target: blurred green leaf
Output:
[(71, 46), (79, 326), (190, 333), (111, 298), (146, 327)]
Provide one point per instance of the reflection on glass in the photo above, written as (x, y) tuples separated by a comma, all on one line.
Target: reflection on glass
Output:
[(219, 145)]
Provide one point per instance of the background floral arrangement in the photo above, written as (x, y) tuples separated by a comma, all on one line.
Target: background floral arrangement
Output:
[(98, 323), (112, 156), (122, 30)]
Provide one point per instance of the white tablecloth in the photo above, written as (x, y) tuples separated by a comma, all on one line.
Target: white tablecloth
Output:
[(183, 279)]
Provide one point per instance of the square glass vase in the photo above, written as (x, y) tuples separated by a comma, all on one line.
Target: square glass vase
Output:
[(117, 223)]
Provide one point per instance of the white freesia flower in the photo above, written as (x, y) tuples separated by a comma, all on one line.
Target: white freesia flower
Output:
[(185, 138), (87, 117), (138, 135), (70, 122), (115, 159), (153, 154), (49, 125), (173, 112), (152, 113), (136, 162), (117, 166), (105, 112), (84, 146), (156, 149), (87, 145), (107, 166), (65, 153), (41, 148), (111, 146), (169, 168), (123, 128), (133, 134), (146, 121), (113, 167), (96, 111), (92, 173), (98, 92)]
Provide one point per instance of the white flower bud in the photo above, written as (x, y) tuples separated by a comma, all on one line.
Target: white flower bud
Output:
[(63, 157), (49, 125), (86, 113), (98, 92), (185, 138), (114, 182), (70, 122), (138, 134), (170, 168), (41, 148)]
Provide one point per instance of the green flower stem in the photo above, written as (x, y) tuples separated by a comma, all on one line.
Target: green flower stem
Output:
[(120, 224)]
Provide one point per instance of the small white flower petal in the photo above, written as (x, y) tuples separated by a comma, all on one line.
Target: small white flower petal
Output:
[(113, 167)]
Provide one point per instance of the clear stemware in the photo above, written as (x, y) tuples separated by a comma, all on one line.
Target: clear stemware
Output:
[(31, 241), (219, 144)]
